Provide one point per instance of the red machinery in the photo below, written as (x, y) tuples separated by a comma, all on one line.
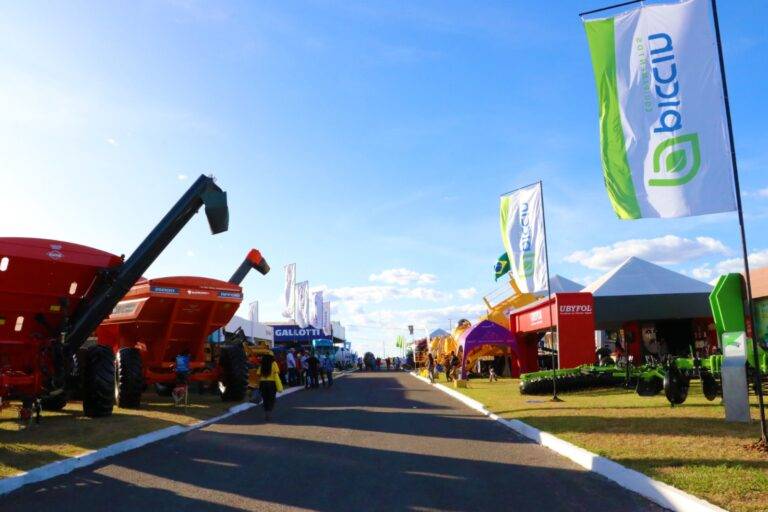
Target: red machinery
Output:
[(160, 319), (54, 294)]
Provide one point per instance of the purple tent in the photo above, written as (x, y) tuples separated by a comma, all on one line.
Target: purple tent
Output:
[(486, 333)]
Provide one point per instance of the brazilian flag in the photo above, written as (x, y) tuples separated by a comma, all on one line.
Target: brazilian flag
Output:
[(502, 265)]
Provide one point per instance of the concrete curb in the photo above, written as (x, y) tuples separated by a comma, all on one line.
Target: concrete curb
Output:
[(658, 492), (62, 467)]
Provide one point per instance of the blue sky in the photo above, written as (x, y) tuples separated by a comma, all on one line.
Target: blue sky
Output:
[(354, 139)]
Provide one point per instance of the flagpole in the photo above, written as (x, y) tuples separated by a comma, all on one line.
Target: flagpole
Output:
[(555, 398), (745, 254)]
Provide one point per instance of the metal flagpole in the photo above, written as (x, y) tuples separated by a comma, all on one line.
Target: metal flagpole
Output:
[(555, 398), (755, 353)]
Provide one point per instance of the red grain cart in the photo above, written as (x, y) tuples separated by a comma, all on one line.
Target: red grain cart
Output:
[(54, 294), (42, 282), (160, 319)]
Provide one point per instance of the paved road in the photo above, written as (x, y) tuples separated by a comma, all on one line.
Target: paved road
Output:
[(382, 441)]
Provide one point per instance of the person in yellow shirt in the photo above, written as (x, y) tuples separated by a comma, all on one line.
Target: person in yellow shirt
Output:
[(269, 383)]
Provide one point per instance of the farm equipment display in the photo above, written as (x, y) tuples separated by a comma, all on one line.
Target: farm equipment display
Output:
[(162, 319), (54, 294), (673, 375)]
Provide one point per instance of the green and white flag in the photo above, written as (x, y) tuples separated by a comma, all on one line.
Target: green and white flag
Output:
[(522, 230), (663, 132)]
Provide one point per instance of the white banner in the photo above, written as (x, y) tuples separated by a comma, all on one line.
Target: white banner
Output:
[(302, 304), (522, 230), (316, 310), (327, 329), (289, 294), (663, 130)]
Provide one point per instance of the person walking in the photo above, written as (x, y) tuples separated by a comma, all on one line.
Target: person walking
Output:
[(304, 369), (291, 362), (431, 368), (313, 370), (327, 368), (269, 383)]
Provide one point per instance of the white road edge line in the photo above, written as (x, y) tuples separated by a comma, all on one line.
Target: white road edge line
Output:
[(658, 492), (62, 467)]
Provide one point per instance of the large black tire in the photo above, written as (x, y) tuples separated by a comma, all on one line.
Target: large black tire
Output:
[(54, 403), (675, 386), (98, 381), (129, 380), (233, 364)]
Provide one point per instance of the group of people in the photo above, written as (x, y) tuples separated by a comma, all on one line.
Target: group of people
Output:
[(450, 365), (389, 362), (305, 368)]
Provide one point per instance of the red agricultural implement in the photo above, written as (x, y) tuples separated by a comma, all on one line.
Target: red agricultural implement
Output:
[(54, 294), (161, 319)]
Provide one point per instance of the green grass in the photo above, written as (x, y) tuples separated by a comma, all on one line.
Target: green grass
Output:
[(690, 447), (68, 433)]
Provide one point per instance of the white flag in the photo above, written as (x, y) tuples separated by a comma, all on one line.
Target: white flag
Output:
[(327, 329), (289, 295), (316, 310), (663, 129), (302, 304), (522, 230)]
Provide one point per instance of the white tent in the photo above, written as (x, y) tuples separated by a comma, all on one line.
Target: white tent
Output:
[(560, 284), (252, 330), (641, 290)]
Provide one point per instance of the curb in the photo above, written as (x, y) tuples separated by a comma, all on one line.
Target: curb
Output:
[(658, 492), (62, 467)]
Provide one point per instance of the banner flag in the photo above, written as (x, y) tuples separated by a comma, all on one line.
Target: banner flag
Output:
[(302, 304), (400, 341), (522, 230), (327, 329), (316, 310), (502, 266), (289, 295), (663, 129)]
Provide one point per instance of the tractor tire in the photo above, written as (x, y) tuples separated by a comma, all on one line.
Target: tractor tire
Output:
[(129, 379), (233, 365), (675, 386), (163, 389), (709, 386), (98, 381), (54, 402)]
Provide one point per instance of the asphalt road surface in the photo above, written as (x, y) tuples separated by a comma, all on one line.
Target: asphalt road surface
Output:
[(375, 441)]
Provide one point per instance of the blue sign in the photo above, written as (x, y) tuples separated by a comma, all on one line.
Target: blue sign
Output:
[(287, 333), (164, 289)]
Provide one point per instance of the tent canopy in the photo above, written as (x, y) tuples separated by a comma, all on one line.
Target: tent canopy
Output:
[(640, 290), (485, 339), (560, 284)]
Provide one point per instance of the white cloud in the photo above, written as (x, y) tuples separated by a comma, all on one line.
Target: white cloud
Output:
[(111, 141), (181, 177), (665, 250), (377, 294), (190, 253), (402, 277), (420, 318), (708, 272), (467, 293)]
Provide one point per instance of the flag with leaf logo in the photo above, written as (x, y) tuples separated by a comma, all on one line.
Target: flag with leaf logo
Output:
[(663, 131)]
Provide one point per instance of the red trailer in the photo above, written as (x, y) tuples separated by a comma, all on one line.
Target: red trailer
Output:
[(42, 282), (160, 319), (54, 294)]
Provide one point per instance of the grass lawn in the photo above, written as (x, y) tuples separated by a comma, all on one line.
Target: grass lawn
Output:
[(67, 433), (690, 447)]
